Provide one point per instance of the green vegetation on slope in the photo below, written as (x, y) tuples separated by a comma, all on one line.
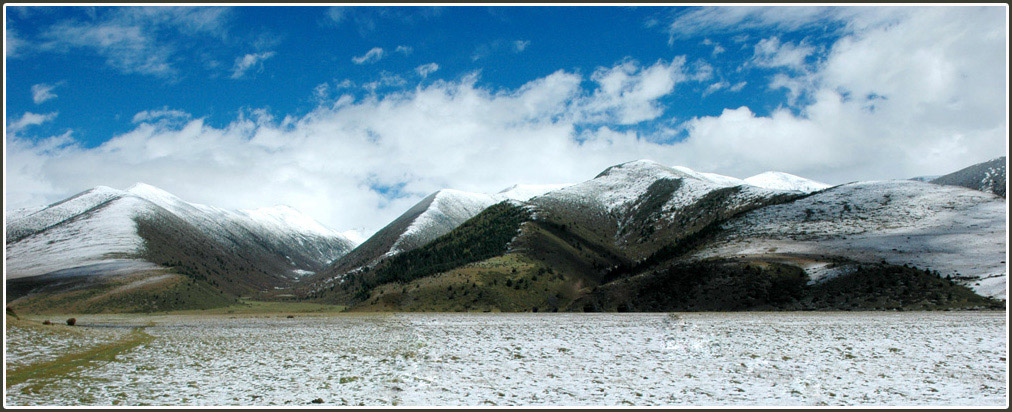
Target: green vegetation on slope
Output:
[(145, 292), (171, 242), (894, 287), (486, 235), (507, 283), (726, 285)]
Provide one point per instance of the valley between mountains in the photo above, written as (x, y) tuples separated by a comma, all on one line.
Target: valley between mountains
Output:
[(638, 237)]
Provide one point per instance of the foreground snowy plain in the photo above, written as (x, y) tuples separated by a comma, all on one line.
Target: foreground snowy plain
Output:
[(954, 358)]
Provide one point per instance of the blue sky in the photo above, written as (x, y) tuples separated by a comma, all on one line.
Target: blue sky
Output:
[(353, 113), (299, 48)]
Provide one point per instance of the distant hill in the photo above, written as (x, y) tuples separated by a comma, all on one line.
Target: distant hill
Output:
[(988, 177), (104, 244)]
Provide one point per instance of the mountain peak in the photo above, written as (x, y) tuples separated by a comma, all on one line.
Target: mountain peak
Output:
[(635, 167), (147, 191), (784, 181), (714, 178)]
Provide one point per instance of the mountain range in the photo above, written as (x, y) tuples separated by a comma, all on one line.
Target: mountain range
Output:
[(639, 236)]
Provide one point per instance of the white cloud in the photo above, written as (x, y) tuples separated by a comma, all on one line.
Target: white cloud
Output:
[(372, 56), (521, 45), (426, 69), (42, 92), (628, 93), (916, 92), (771, 53), (321, 91), (29, 119), (336, 14), (738, 86), (711, 20), (716, 86), (13, 43), (244, 63), (405, 50), (717, 48), (163, 114), (133, 39)]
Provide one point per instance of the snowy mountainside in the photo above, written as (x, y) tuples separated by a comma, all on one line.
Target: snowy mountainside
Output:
[(523, 192), (784, 181), (988, 176), (948, 229), (99, 227), (640, 205), (711, 177), (94, 230), (305, 245), (432, 217), (20, 225)]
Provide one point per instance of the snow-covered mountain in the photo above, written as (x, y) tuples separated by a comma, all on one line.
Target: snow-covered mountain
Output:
[(640, 220), (434, 216), (640, 205), (988, 177), (110, 231), (952, 230), (785, 181), (711, 177)]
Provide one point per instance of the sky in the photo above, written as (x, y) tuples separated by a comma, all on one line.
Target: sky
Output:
[(353, 114)]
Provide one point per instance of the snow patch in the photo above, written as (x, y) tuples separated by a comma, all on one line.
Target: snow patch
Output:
[(785, 181)]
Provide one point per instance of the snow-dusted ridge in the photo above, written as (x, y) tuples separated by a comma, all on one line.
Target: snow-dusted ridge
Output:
[(950, 229), (432, 217), (98, 227), (785, 181)]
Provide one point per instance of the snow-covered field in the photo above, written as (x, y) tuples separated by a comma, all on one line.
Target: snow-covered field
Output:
[(954, 358), (28, 345)]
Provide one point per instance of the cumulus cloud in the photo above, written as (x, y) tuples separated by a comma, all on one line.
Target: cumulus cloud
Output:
[(244, 63), (426, 69), (42, 92), (918, 95), (372, 56), (629, 93)]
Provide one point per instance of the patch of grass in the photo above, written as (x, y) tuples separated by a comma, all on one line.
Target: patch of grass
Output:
[(507, 283), (155, 291), (46, 372), (249, 306)]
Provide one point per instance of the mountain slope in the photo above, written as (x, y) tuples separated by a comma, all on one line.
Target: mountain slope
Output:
[(988, 177), (434, 216), (952, 230), (639, 206), (618, 241), (104, 232), (576, 235)]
